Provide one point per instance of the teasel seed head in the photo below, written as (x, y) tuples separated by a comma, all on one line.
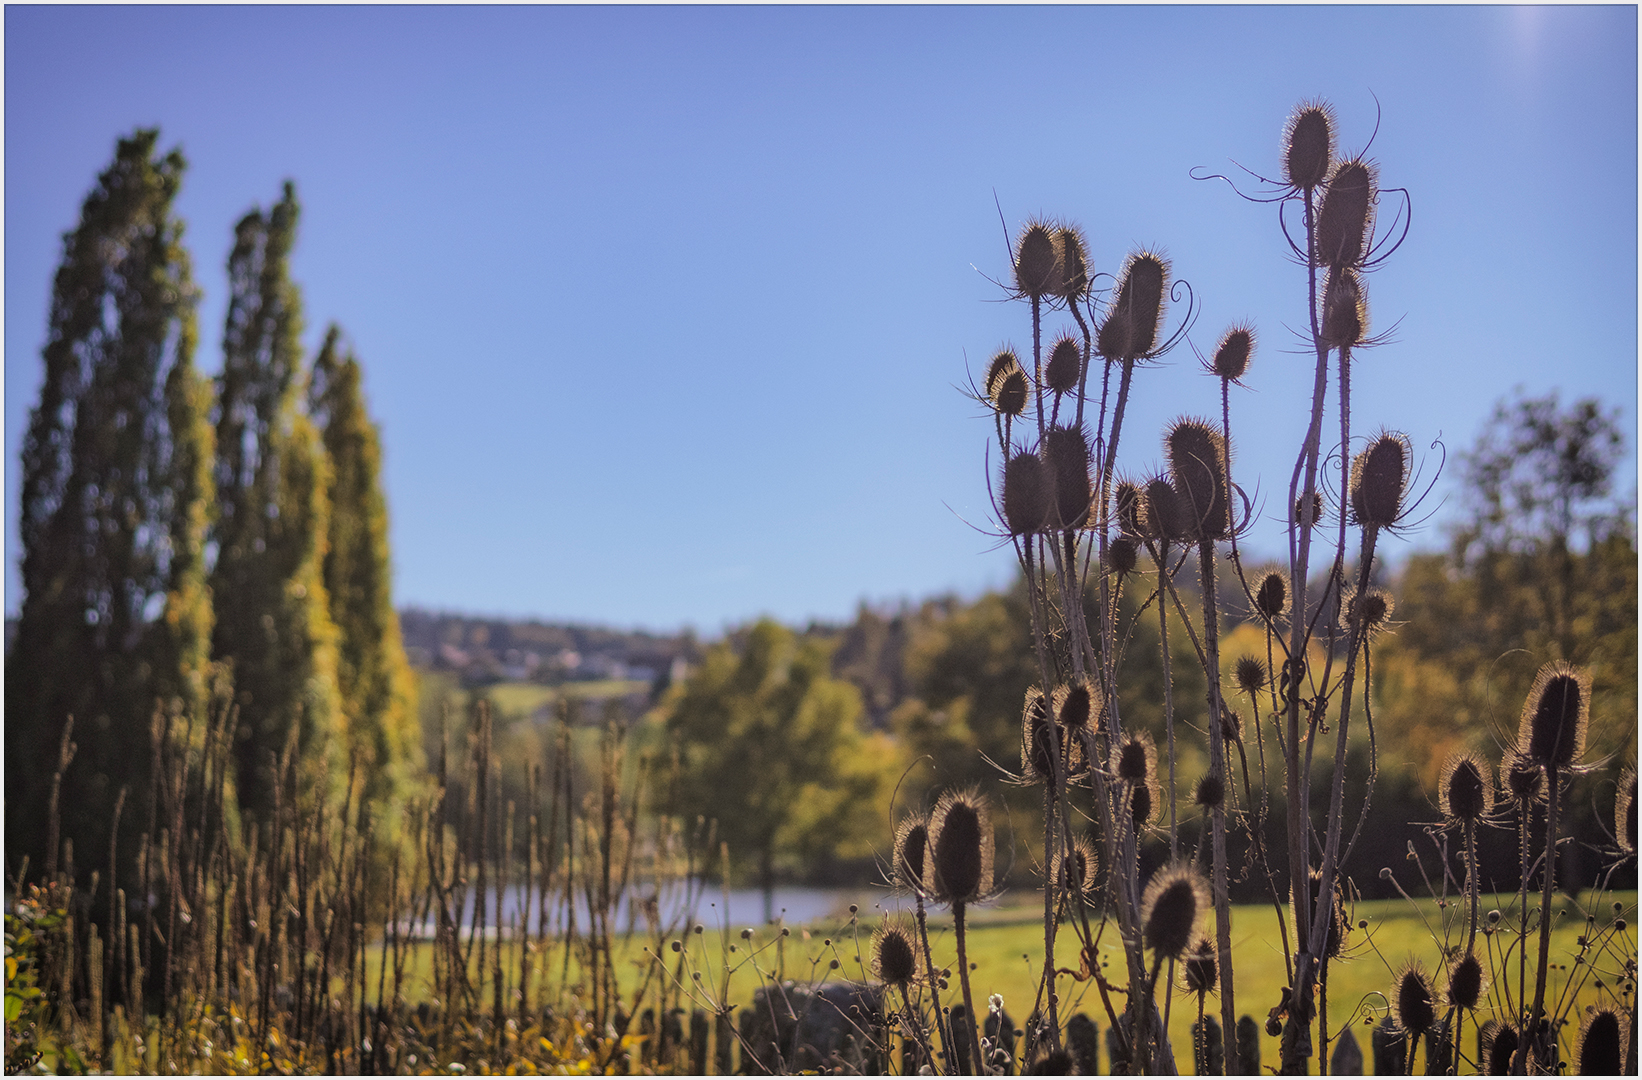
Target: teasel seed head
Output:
[(1413, 1002), (894, 954), (1554, 718), (1316, 509), (1231, 724), (960, 833), (1624, 811), (1466, 981), (1066, 454), (1346, 217), (1210, 791), (1345, 309), (1340, 924), (1113, 335), (1052, 1063), (1037, 747), (1601, 1044), (1522, 779), (1006, 384), (1197, 468), (1074, 251), (1122, 555), (911, 849), (1167, 514), (1379, 476), (1174, 900), (1038, 261), (1202, 967), (1003, 362), (1272, 595), (1370, 610), (1231, 357), (1077, 873), (1060, 374), (1251, 674), (1026, 494), (1308, 144), (1079, 704), (1135, 758), (1497, 1046), (1143, 806), (1466, 790), (1131, 508), (1140, 291)]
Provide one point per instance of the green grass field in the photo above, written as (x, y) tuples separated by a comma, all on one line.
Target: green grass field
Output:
[(1006, 948)]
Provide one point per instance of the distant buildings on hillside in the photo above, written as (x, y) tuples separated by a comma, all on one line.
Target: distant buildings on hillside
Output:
[(483, 651)]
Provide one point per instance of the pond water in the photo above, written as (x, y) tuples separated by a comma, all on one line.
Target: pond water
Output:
[(676, 908)]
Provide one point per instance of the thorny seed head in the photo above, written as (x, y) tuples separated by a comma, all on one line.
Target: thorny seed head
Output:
[(1174, 900), (1197, 467), (1053, 1063), (1131, 509), (1466, 979), (911, 846), (1497, 1045), (1231, 724), (1251, 674), (1624, 811), (1135, 759), (1060, 374), (1066, 454), (1601, 1045), (1122, 555), (1210, 791), (1554, 718), (1345, 309), (1143, 805), (1006, 384), (1379, 475), (961, 845), (1340, 925), (1038, 271), (1308, 144), (1026, 494), (1202, 967), (1139, 304), (1112, 336), (1231, 357), (1037, 747), (1272, 596), (1074, 262), (894, 959), (1316, 509), (1167, 516), (1369, 611), (1466, 790), (1414, 1003), (1077, 873), (1079, 704), (1522, 779), (1347, 214)]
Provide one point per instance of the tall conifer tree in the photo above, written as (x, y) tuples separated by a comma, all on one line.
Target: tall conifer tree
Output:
[(273, 621), (372, 673), (116, 495)]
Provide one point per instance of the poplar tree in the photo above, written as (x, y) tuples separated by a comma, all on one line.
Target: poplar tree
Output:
[(273, 623), (373, 675), (116, 495)]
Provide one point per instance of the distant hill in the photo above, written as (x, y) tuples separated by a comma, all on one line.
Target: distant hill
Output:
[(489, 650)]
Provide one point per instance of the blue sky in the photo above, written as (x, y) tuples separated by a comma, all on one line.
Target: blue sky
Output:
[(662, 310)]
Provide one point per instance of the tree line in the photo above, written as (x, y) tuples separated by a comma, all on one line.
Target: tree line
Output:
[(1539, 565), (201, 557)]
